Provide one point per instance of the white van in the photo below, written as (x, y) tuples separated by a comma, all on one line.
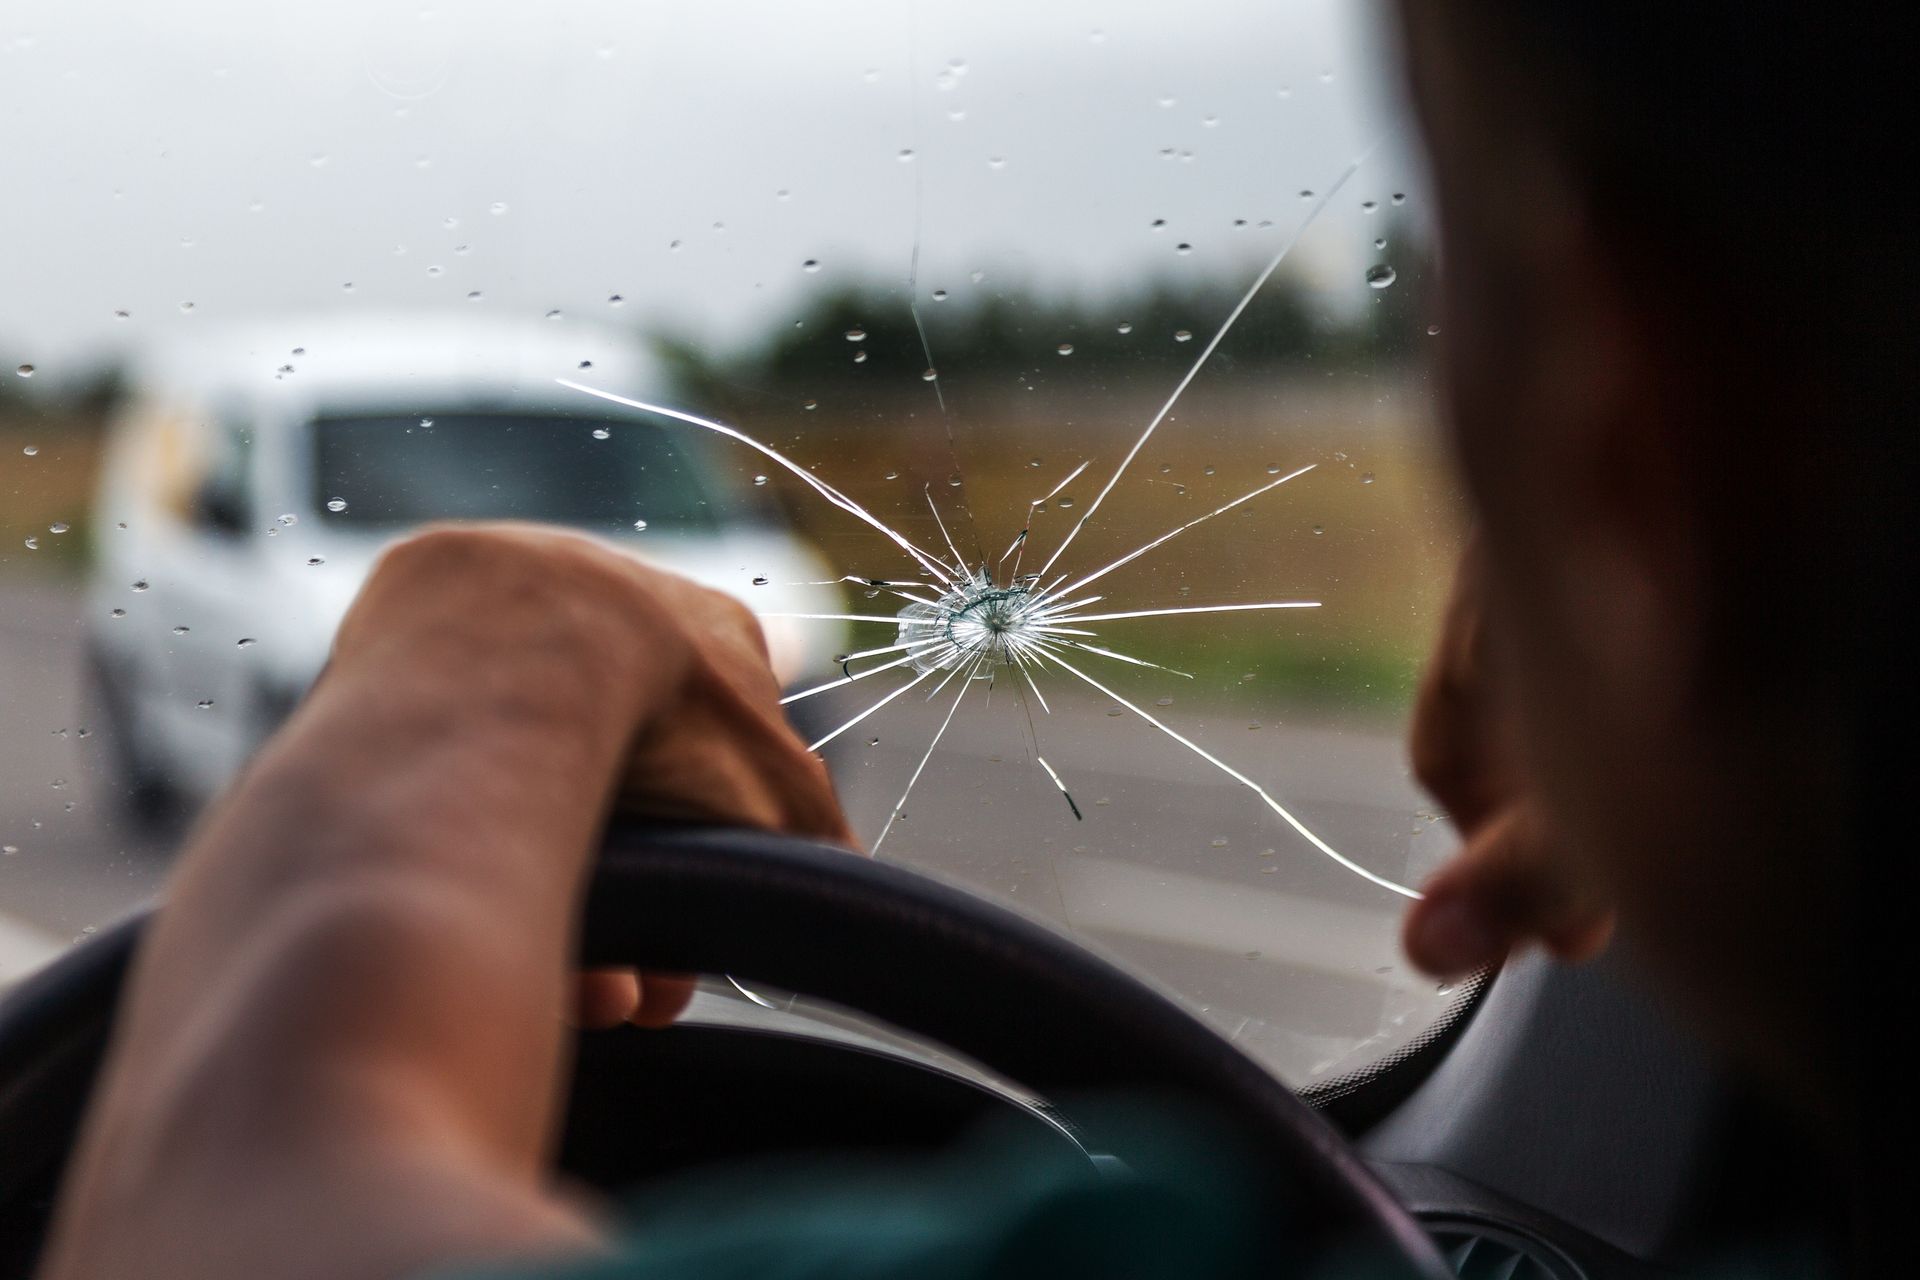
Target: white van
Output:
[(253, 476)]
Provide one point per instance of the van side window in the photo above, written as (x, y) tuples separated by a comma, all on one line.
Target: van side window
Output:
[(224, 500)]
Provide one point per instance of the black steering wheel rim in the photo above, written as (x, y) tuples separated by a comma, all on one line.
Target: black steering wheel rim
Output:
[(928, 958)]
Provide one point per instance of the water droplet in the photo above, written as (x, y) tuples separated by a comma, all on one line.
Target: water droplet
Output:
[(873, 742), (205, 704), (141, 585), (1305, 194), (1433, 331), (584, 364), (9, 849), (497, 208), (1066, 504), (33, 544), (1181, 335), (811, 405), (615, 300), (1368, 206), (289, 518), (640, 526), (931, 375), (1115, 712), (939, 295), (1183, 248), (891, 475), (1366, 478), (245, 642), (906, 155), (856, 335), (180, 631), (996, 162), (1220, 842), (954, 481), (186, 306), (1399, 197), (435, 270), (859, 357), (475, 296), (1065, 348), (24, 371), (1210, 122), (1163, 702), (601, 433), (811, 264), (1317, 531), (336, 505), (123, 315), (1158, 224), (58, 526), (759, 480), (426, 424), (117, 613), (315, 561), (760, 580), (1381, 276)]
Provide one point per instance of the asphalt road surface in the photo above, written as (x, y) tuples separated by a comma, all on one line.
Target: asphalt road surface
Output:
[(1174, 868)]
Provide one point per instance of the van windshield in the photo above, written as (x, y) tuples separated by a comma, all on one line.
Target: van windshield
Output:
[(393, 470)]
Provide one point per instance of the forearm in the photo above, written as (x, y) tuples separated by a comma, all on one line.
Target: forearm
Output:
[(363, 961)]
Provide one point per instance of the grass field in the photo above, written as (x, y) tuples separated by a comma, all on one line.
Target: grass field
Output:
[(1371, 532)]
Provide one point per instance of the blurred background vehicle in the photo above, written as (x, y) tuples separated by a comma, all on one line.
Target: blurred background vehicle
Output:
[(240, 513)]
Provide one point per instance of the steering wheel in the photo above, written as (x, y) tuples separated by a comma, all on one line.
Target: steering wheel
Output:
[(1014, 996)]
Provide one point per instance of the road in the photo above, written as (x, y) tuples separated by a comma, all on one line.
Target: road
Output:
[(1173, 868)]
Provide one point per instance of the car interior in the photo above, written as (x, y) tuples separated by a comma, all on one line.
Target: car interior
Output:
[(895, 321), (1555, 1127)]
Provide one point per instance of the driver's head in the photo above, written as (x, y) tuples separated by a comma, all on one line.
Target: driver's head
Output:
[(1677, 373)]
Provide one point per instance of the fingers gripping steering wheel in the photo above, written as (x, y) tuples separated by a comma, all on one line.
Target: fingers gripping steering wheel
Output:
[(1012, 995)]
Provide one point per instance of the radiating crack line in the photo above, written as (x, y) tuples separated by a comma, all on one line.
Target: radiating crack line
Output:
[(1077, 815), (825, 490), (966, 686), (1233, 317), (1199, 608), (1171, 534), (1244, 781), (870, 710)]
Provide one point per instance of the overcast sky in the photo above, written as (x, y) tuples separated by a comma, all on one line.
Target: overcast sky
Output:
[(690, 157)]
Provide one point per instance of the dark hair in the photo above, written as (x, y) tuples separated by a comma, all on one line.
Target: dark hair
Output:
[(1750, 145), (1750, 154)]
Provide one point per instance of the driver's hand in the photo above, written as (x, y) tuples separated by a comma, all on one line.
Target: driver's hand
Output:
[(1510, 884), (708, 743)]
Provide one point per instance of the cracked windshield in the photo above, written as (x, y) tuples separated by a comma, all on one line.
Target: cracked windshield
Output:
[(1052, 380)]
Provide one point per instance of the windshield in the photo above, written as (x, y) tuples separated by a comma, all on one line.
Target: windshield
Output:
[(618, 477), (1051, 380)]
